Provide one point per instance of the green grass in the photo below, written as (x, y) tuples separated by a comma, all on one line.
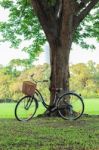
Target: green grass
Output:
[(92, 106), (50, 134), (7, 109)]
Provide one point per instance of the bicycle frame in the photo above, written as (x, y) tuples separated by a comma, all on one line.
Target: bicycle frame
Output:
[(43, 100), (41, 97)]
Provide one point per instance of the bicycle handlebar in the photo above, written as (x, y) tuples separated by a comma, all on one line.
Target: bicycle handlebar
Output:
[(31, 76)]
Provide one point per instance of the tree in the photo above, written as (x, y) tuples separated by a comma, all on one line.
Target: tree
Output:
[(23, 63), (62, 23), (79, 76), (85, 79)]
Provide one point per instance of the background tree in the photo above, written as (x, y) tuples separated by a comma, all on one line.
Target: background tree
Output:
[(23, 63), (85, 79), (62, 23), (82, 80), (79, 76)]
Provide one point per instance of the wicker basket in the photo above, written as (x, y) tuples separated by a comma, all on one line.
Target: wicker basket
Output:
[(28, 88)]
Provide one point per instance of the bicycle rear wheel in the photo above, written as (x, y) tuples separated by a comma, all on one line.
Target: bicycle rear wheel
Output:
[(26, 108), (70, 106)]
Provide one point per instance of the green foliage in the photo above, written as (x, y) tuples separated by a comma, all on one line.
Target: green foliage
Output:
[(94, 21), (84, 79), (88, 29), (6, 3), (11, 79), (7, 77), (23, 63), (23, 24)]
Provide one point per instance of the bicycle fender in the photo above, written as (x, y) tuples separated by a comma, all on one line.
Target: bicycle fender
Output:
[(36, 102)]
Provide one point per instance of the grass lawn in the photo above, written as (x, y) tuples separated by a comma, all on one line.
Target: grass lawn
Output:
[(92, 106), (50, 134), (7, 109)]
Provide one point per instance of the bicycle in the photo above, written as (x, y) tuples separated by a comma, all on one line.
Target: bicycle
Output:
[(69, 105)]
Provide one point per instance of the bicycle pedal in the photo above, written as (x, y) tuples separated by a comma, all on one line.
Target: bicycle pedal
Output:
[(54, 108)]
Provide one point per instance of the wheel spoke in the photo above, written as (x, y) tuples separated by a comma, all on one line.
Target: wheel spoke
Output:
[(25, 108), (70, 106)]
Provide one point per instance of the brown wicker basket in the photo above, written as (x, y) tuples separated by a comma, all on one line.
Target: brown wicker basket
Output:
[(28, 88)]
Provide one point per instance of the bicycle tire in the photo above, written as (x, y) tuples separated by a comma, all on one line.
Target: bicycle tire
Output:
[(26, 108), (70, 106)]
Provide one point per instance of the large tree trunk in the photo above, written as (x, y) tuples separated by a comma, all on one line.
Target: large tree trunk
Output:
[(59, 22), (59, 59), (58, 31)]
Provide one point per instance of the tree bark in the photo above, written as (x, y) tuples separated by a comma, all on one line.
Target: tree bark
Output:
[(60, 49), (58, 30), (59, 59)]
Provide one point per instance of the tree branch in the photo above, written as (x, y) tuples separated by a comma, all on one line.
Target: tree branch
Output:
[(58, 9), (66, 21), (85, 12), (81, 5)]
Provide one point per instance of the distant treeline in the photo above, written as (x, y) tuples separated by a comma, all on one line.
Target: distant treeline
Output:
[(7, 101), (84, 79)]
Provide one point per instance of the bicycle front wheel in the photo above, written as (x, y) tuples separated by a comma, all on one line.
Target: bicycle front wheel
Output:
[(25, 108), (70, 106)]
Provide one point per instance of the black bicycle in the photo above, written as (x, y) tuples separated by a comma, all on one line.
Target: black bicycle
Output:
[(70, 106)]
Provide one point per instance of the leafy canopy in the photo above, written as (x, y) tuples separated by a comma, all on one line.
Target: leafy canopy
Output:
[(23, 24)]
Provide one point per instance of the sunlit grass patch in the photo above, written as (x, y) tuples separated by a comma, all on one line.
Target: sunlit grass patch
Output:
[(7, 109)]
